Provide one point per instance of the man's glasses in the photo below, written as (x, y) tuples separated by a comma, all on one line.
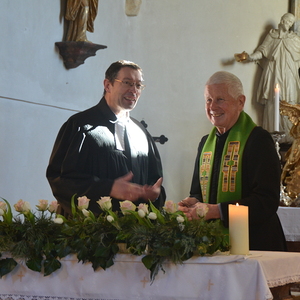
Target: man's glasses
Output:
[(130, 84)]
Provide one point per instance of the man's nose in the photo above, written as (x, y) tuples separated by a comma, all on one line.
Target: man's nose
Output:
[(213, 104), (134, 88)]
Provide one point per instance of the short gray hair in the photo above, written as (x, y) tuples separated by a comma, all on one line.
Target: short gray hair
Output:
[(235, 86)]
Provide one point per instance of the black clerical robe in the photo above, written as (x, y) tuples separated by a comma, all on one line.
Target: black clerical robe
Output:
[(85, 160), (260, 188)]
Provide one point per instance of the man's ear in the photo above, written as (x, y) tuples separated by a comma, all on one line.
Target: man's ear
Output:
[(241, 101), (107, 85)]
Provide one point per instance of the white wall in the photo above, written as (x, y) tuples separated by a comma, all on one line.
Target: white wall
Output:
[(178, 43)]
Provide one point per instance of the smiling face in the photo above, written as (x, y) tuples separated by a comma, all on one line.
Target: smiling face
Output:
[(120, 97), (222, 109)]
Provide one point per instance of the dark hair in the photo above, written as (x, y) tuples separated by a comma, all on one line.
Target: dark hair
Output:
[(113, 70)]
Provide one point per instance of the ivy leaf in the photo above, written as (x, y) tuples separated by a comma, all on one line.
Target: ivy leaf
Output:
[(35, 264), (102, 252), (153, 264), (82, 254), (114, 248), (6, 266), (148, 261), (109, 263), (99, 262), (51, 265)]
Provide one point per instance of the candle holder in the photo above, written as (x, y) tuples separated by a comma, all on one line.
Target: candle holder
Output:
[(277, 136)]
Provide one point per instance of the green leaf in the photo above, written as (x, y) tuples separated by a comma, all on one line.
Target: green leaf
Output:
[(73, 207), (102, 251), (82, 254), (109, 262), (99, 262), (51, 265), (114, 248), (153, 264), (63, 251), (148, 261), (164, 251), (6, 266), (35, 264)]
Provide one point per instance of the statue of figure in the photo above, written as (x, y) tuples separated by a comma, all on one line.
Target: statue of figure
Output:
[(132, 7), (81, 15), (290, 176), (281, 53)]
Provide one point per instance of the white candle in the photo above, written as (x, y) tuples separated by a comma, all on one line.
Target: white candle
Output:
[(238, 229), (276, 108)]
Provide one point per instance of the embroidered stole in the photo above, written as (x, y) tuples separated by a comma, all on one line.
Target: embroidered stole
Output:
[(230, 177)]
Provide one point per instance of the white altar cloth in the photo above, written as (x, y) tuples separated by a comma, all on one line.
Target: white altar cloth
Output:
[(290, 221), (218, 277)]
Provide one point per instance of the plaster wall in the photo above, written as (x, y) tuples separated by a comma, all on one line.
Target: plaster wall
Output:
[(179, 44)]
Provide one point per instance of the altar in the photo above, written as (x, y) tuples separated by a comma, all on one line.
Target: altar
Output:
[(290, 221), (217, 277)]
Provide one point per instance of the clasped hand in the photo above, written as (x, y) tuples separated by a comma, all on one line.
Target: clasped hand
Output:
[(194, 209), (125, 190)]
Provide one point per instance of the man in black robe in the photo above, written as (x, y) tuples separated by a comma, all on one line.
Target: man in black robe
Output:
[(236, 163), (102, 151)]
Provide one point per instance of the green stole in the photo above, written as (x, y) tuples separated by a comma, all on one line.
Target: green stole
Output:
[(230, 178)]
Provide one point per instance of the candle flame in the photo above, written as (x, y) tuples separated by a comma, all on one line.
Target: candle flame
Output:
[(277, 87), (237, 204)]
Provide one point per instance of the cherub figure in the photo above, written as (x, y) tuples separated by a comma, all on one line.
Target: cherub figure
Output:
[(290, 177)]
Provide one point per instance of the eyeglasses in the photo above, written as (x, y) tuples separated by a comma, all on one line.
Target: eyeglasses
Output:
[(130, 84)]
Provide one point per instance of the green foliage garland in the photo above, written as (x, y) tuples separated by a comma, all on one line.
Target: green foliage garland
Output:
[(42, 238)]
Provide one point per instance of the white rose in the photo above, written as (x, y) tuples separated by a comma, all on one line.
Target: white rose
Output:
[(170, 207), (127, 206), (83, 202), (105, 203), (58, 220), (152, 216), (53, 206), (141, 213), (3, 206), (43, 205), (22, 206), (201, 209), (85, 212), (180, 219), (110, 218), (1, 212), (144, 207)]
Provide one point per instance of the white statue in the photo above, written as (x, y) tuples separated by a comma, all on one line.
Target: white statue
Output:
[(281, 53)]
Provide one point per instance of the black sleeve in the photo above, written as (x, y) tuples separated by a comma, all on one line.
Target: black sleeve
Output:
[(64, 174)]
